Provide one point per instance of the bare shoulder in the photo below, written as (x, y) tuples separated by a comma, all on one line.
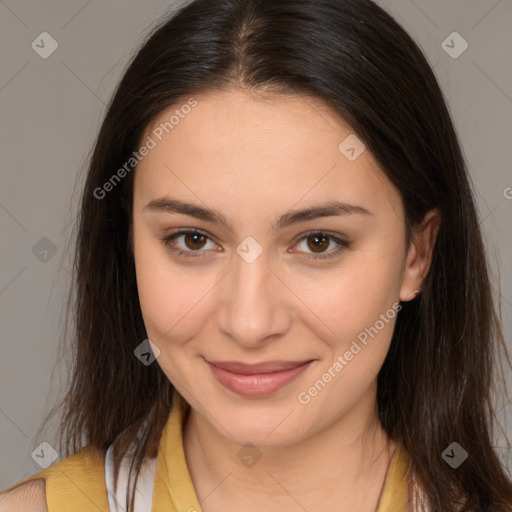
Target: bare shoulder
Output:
[(27, 497)]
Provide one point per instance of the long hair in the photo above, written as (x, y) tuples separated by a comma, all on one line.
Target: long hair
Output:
[(437, 383)]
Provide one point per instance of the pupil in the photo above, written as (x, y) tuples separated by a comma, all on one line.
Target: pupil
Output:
[(318, 245), (194, 237)]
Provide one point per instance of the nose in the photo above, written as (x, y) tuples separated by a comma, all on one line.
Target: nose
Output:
[(253, 307)]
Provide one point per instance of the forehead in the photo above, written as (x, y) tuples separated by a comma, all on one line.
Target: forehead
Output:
[(254, 151)]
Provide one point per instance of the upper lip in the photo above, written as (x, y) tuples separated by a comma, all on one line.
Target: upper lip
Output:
[(254, 369)]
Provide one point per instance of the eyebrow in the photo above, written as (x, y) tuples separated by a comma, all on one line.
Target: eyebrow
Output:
[(330, 209)]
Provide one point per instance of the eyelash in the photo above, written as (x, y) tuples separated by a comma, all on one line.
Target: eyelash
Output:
[(168, 241)]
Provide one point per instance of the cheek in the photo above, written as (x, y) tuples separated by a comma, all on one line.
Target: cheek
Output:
[(172, 301), (359, 304), (354, 294), (355, 307)]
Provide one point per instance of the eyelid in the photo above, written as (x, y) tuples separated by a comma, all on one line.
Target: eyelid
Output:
[(334, 237), (168, 239), (189, 230)]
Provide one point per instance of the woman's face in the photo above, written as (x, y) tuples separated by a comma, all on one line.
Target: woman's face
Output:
[(245, 288)]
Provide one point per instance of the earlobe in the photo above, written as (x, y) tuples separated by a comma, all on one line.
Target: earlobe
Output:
[(412, 295), (420, 254)]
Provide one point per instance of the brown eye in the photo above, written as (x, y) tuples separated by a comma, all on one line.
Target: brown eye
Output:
[(189, 243), (194, 241), (319, 243)]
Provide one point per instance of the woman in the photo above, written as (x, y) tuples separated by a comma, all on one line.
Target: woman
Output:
[(277, 199)]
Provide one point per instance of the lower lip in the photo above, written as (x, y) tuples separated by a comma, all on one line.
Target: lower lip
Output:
[(261, 384)]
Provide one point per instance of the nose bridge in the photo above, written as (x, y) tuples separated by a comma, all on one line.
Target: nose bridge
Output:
[(251, 308)]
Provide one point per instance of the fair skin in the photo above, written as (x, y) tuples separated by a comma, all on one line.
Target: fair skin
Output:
[(28, 497), (253, 160)]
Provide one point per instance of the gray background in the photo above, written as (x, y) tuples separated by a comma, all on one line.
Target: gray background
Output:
[(51, 110)]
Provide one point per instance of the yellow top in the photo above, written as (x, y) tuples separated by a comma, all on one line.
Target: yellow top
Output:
[(77, 483)]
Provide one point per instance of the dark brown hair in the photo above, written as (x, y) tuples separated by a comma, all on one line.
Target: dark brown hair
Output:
[(436, 385)]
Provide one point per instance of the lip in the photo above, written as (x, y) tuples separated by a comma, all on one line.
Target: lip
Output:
[(260, 379)]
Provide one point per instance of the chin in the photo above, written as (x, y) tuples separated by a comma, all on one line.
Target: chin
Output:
[(263, 437), (263, 422)]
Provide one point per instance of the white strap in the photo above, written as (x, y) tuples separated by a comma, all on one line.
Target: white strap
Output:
[(144, 490)]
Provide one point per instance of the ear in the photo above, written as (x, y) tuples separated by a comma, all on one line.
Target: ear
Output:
[(419, 256)]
